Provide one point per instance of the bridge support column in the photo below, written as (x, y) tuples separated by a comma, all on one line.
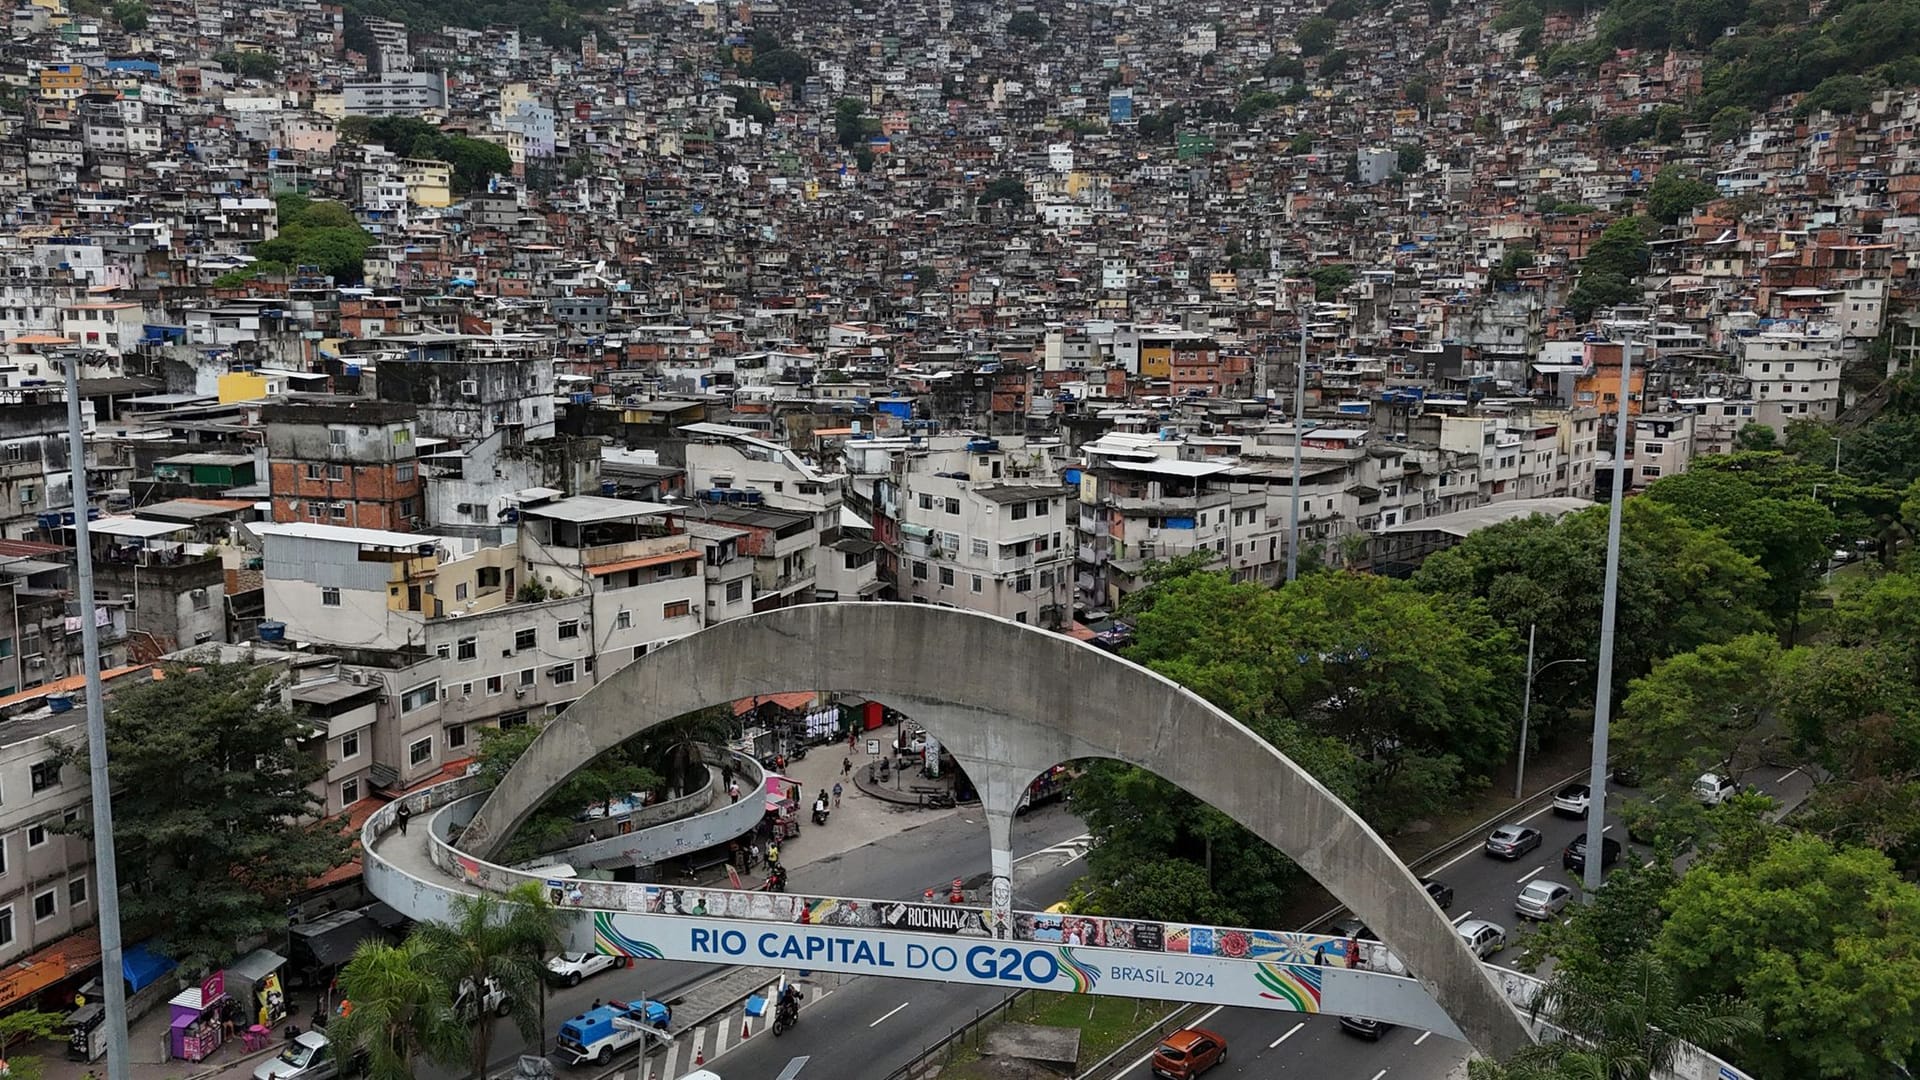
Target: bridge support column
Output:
[(1000, 889)]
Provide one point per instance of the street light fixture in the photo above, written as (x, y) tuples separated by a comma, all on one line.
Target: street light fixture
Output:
[(1526, 708)]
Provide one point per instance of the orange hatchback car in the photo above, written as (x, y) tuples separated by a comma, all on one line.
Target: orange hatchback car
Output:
[(1187, 1053)]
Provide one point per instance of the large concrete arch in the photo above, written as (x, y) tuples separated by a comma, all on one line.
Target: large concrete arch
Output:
[(1010, 700)]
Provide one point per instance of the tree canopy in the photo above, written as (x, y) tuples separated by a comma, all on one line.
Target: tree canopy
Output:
[(1786, 534), (321, 234), (1396, 699), (1677, 191), (214, 822), (474, 161)]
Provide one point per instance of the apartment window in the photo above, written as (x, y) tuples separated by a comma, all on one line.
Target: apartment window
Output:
[(1039, 508), (444, 652), (336, 473), (953, 506), (45, 774), (526, 677), (525, 639), (349, 792), (946, 575), (1653, 448), (403, 473), (509, 721), (979, 548), (420, 697), (623, 620), (495, 684), (1019, 511), (468, 648), (45, 906), (920, 571), (337, 436), (456, 736), (338, 511), (421, 752), (76, 892), (1023, 583), (1650, 470), (562, 675), (36, 836), (314, 471), (349, 746), (676, 609), (1046, 579), (405, 508), (316, 511), (926, 501), (735, 590), (6, 925), (976, 583), (569, 630)]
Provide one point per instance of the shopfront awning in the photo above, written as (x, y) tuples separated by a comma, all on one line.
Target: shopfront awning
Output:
[(329, 942)]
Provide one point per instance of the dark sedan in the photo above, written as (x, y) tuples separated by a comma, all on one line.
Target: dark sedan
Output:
[(1575, 857)]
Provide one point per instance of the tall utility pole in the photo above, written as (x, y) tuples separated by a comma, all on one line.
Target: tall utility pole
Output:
[(1299, 430), (1526, 709), (1603, 690), (107, 876)]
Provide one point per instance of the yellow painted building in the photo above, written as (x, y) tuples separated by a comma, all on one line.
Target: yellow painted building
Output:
[(1156, 361), (63, 82), (429, 183), (241, 386)]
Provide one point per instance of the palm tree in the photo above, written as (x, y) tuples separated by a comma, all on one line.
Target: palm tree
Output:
[(397, 1008), (504, 941), (1626, 1023)]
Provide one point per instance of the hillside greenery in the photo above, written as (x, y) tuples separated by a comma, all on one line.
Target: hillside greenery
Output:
[(1756, 50), (559, 23)]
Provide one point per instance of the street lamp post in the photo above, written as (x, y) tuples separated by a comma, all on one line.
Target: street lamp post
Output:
[(1299, 413), (1526, 708), (1609, 610)]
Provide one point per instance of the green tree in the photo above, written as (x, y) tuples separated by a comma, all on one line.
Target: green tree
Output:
[(1730, 123), (1409, 158), (1680, 587), (500, 940), (1335, 63), (1612, 263), (1701, 707), (1316, 35), (1512, 261), (131, 15), (1027, 25), (1842, 94), (214, 822), (400, 1009), (1004, 189), (1284, 66), (1823, 941), (1678, 191), (23, 1024), (1786, 536), (1328, 281), (1884, 451), (785, 66), (1756, 436), (849, 122)]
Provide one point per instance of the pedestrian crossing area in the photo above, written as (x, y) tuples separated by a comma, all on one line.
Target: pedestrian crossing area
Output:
[(1070, 850), (698, 1047)]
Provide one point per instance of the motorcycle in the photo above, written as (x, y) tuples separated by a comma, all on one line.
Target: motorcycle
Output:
[(785, 1016), (820, 814)]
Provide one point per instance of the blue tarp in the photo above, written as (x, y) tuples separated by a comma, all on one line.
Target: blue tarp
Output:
[(142, 967)]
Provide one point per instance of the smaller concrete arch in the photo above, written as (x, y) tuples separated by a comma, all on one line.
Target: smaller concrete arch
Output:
[(1010, 700)]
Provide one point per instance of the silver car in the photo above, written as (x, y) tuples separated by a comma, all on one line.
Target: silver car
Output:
[(308, 1057), (1483, 937), (1542, 899)]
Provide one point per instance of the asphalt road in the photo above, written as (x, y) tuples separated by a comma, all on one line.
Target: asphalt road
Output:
[(1263, 1043), (869, 1026), (926, 853)]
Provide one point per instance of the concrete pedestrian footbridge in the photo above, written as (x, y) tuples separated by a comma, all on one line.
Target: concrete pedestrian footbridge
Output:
[(1009, 701)]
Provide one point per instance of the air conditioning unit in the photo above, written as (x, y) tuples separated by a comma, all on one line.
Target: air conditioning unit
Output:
[(519, 691), (36, 662)]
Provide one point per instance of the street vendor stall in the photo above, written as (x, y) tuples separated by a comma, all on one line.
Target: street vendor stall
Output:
[(782, 821), (195, 1030), (255, 982)]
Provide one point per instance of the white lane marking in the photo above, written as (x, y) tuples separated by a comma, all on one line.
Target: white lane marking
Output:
[(1608, 829), (1646, 864), (1148, 1056), (1075, 846), (1543, 810), (1531, 874), (1378, 1075), (1288, 1035), (1462, 917), (1658, 797), (1424, 1036), (1787, 777), (1457, 858), (793, 1067), (896, 1009)]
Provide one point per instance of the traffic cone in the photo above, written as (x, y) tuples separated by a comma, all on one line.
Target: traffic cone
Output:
[(746, 1028), (699, 1056), (958, 894)]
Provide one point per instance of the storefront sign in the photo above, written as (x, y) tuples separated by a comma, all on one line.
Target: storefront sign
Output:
[(214, 988), (935, 919)]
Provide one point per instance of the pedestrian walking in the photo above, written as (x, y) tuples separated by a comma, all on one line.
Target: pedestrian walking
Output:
[(753, 856), (773, 853), (846, 767), (726, 774), (852, 734), (733, 792), (403, 815), (836, 795)]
